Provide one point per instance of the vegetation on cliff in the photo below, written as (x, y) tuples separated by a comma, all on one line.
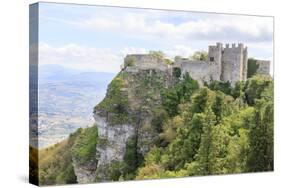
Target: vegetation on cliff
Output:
[(56, 162), (252, 67), (217, 133), (84, 148), (115, 103), (213, 129)]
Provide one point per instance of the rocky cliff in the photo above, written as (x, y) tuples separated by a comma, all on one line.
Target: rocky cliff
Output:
[(156, 122), (124, 121)]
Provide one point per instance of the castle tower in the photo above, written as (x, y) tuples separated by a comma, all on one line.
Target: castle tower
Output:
[(234, 63), (245, 63), (215, 58)]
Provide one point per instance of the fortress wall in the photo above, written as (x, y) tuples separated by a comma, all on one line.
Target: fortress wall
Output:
[(215, 71), (215, 52), (264, 67), (200, 70), (223, 64), (232, 63), (245, 63), (214, 60), (146, 61)]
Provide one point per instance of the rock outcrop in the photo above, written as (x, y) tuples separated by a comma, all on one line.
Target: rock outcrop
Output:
[(112, 140), (84, 173), (127, 112)]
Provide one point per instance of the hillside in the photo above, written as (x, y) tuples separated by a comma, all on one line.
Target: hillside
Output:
[(153, 124)]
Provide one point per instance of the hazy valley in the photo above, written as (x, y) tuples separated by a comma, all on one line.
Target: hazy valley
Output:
[(66, 100)]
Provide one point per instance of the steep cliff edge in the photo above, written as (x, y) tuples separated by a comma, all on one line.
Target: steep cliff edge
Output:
[(124, 120)]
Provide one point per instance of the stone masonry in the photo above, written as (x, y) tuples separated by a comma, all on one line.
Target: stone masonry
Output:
[(263, 66), (227, 64)]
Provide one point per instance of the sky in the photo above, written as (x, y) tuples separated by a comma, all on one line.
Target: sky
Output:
[(97, 38)]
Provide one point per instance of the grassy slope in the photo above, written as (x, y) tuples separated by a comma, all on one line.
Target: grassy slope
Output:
[(55, 162)]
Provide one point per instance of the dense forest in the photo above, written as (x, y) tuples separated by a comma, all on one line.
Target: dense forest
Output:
[(202, 130), (214, 130)]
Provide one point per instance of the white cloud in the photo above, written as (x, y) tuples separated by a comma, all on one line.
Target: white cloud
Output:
[(178, 31), (79, 57), (156, 25), (179, 50), (132, 50), (96, 59), (108, 60), (85, 58), (175, 33), (205, 27)]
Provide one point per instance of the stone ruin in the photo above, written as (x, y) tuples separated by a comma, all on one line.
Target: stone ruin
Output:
[(226, 64)]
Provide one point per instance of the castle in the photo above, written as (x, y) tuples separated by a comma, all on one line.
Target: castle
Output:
[(226, 64)]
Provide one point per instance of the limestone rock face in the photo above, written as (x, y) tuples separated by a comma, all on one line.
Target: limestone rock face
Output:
[(84, 173), (127, 111), (112, 140)]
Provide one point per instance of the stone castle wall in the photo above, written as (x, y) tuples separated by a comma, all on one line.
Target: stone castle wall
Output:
[(145, 62), (214, 59), (223, 64), (233, 63), (227, 64), (264, 67), (200, 70), (245, 63)]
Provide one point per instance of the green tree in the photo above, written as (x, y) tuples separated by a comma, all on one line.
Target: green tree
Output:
[(252, 67), (84, 147), (199, 100), (132, 159), (212, 133), (217, 108), (199, 55), (212, 148), (224, 87), (238, 90), (158, 54), (238, 147), (182, 91), (186, 145), (261, 138), (255, 86), (237, 152)]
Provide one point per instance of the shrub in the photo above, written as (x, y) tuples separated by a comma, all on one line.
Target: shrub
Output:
[(168, 61), (157, 54), (199, 55), (182, 91), (255, 87), (252, 67), (130, 61), (84, 149), (116, 102), (224, 87)]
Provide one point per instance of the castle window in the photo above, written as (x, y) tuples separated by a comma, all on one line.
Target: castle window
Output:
[(212, 59)]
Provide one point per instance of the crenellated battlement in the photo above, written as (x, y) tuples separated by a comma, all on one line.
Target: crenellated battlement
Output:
[(234, 46)]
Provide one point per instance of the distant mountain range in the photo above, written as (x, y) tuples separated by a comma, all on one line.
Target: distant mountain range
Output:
[(52, 72), (66, 100)]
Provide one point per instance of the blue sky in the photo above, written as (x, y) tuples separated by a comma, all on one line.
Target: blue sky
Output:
[(96, 38)]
